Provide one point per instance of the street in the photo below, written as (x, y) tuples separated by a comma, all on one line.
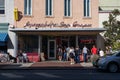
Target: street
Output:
[(60, 74)]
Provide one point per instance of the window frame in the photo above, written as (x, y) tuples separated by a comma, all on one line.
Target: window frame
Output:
[(28, 8), (2, 8), (87, 8), (49, 8), (67, 8)]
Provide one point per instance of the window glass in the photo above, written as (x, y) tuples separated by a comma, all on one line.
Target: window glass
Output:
[(118, 54), (67, 7), (2, 6), (87, 8), (49, 7), (28, 7), (28, 43)]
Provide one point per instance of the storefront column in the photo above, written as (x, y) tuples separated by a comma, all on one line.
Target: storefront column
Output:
[(76, 40), (16, 45), (39, 44), (41, 54), (100, 42), (13, 44)]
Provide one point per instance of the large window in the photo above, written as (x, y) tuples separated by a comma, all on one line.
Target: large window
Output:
[(67, 8), (49, 7), (87, 8), (2, 6), (27, 7), (28, 43)]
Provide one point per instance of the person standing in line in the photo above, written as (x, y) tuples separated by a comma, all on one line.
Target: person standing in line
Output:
[(77, 54), (94, 56), (94, 50), (68, 52), (107, 50), (64, 54), (25, 58), (84, 51), (20, 57), (101, 53), (72, 55), (110, 48), (60, 54), (10, 58)]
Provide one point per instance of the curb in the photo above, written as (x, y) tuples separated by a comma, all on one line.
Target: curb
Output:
[(29, 66), (49, 68)]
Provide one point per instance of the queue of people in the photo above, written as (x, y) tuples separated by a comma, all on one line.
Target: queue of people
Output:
[(75, 54), (72, 54), (7, 57), (22, 57), (69, 53)]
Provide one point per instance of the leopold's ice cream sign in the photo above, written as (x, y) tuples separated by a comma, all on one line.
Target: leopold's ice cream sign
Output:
[(52, 24)]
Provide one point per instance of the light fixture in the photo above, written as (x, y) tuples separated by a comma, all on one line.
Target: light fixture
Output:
[(11, 26)]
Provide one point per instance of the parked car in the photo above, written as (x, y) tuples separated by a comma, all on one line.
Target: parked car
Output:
[(110, 62)]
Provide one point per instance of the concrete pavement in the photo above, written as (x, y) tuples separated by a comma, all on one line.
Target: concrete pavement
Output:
[(15, 65), (46, 65)]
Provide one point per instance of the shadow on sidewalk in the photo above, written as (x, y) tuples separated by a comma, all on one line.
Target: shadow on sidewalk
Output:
[(9, 65)]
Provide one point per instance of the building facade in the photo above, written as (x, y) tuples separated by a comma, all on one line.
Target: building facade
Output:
[(106, 8), (109, 5), (45, 25), (6, 18)]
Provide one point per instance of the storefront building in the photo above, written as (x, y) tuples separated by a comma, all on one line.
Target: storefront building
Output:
[(6, 18), (3, 36), (45, 25), (105, 9)]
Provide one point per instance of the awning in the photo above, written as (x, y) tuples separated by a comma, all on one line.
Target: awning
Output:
[(4, 27), (3, 37), (58, 31), (3, 33), (3, 44)]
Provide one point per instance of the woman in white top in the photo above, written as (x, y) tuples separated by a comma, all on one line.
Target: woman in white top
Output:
[(72, 55), (101, 53)]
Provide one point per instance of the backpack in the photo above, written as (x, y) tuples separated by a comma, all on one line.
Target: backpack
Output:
[(71, 54)]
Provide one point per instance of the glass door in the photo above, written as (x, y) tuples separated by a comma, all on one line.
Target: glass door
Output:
[(51, 49)]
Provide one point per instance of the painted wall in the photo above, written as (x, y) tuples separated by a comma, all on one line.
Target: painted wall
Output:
[(103, 16), (109, 4), (38, 12), (100, 42), (8, 16)]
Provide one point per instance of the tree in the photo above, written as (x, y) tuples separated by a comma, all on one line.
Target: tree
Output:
[(112, 35)]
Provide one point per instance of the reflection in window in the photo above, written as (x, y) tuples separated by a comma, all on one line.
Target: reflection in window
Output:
[(28, 43)]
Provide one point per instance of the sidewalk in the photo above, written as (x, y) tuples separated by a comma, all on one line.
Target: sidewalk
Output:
[(46, 65), (15, 65)]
